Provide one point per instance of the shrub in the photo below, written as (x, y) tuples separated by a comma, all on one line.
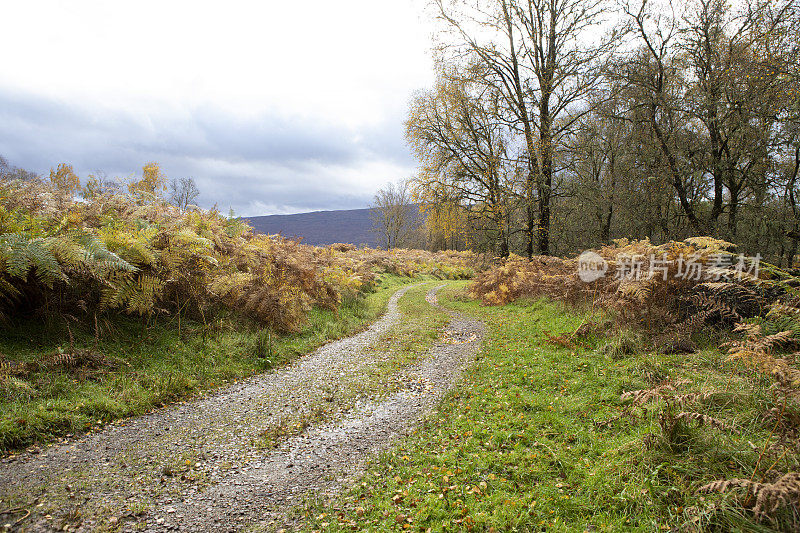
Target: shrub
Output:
[(136, 254)]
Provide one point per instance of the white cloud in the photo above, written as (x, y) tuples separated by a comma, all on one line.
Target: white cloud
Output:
[(106, 83), (342, 61)]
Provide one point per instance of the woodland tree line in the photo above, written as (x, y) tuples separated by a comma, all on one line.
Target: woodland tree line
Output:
[(180, 192), (558, 125)]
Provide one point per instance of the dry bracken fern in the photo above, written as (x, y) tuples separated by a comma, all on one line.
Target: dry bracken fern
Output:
[(644, 396), (757, 350), (704, 420), (76, 359), (694, 397), (769, 497), (137, 254)]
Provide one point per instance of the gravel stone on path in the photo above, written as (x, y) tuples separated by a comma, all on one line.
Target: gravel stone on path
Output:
[(194, 467)]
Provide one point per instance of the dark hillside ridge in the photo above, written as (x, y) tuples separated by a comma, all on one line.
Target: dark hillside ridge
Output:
[(321, 228)]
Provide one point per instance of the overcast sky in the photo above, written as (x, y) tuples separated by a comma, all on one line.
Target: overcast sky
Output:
[(271, 106)]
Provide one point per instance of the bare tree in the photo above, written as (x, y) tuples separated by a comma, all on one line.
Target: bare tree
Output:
[(544, 59), (710, 98), (9, 171), (183, 192), (392, 215), (99, 183), (595, 156)]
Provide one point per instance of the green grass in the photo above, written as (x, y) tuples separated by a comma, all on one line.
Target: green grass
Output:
[(157, 364), (536, 438)]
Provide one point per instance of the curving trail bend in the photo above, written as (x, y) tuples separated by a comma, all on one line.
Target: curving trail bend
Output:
[(194, 467)]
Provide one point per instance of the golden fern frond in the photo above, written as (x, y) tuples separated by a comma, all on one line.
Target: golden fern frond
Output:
[(13, 387), (134, 245), (140, 252), (61, 359), (73, 359), (769, 342), (756, 350), (137, 294), (117, 291), (751, 330), (98, 257), (694, 397), (710, 244), (13, 368), (704, 420), (643, 396), (637, 290), (143, 300), (769, 496), (188, 238), (6, 367), (227, 285), (67, 251), (782, 371), (79, 249)]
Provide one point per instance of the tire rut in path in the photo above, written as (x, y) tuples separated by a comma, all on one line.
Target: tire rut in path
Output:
[(259, 486)]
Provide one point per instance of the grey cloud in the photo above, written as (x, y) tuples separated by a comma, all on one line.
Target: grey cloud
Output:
[(263, 162)]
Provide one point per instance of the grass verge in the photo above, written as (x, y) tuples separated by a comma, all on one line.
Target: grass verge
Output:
[(129, 367), (538, 438)]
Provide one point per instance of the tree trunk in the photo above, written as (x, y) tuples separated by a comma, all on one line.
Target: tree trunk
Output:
[(605, 228), (503, 244), (733, 211), (677, 180), (530, 228), (791, 252), (546, 176), (716, 161), (544, 218)]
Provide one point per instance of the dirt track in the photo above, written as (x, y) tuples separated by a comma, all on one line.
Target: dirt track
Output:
[(202, 466)]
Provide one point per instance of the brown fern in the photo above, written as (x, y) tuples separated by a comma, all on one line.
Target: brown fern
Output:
[(644, 396), (561, 341), (694, 397), (769, 497), (704, 420), (13, 368), (77, 359), (756, 350)]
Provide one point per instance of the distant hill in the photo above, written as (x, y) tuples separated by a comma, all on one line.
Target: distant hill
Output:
[(321, 228)]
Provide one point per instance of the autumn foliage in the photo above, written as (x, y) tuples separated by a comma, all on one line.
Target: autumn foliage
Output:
[(133, 253), (666, 285)]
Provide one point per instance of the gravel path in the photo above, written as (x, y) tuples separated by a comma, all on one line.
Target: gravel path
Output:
[(202, 466)]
